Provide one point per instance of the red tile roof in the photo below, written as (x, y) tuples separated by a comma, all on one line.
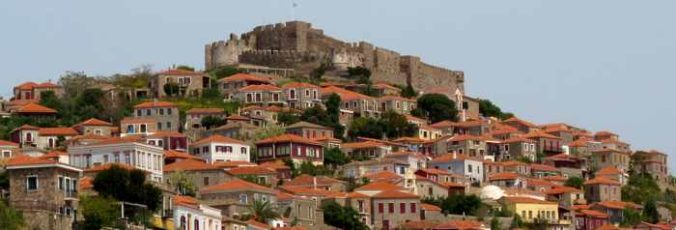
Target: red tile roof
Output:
[(520, 121), (180, 72), (395, 194), (235, 185), (617, 204), (540, 134), (383, 176), (24, 160), (541, 167), (155, 104), (601, 180), (430, 207), (593, 213), (233, 164), (205, 111), (561, 190), (185, 200), (461, 225), (301, 191), (245, 77), (253, 170), (8, 143), (503, 176), (173, 154), (608, 171), (250, 88), (345, 95), (378, 186), (287, 138), (189, 165), (299, 85), (163, 134), (94, 122), (58, 131), (35, 108), (86, 183), (217, 139), (307, 180), (362, 145)]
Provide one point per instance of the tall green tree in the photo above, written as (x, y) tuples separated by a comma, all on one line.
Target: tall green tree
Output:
[(9, 218), (396, 125), (365, 127), (342, 217), (335, 157), (318, 115), (171, 89), (436, 107), (182, 183), (223, 72), (457, 204), (287, 118), (630, 217), (333, 110), (212, 122), (488, 109), (574, 182), (640, 188), (186, 67), (408, 91), (650, 213), (129, 186)]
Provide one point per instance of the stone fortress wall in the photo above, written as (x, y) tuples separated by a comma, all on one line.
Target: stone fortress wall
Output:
[(298, 46)]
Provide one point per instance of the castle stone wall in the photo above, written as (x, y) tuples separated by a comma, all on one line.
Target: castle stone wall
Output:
[(297, 45)]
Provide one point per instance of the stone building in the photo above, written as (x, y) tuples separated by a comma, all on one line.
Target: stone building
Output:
[(95, 126), (309, 130), (30, 92), (229, 85), (298, 46), (289, 146), (199, 173), (602, 189), (358, 104), (220, 148), (189, 83), (44, 191), (655, 164), (301, 95), (194, 116), (234, 197), (259, 95), (166, 114)]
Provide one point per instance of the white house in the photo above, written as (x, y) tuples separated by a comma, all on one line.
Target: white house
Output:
[(220, 148), (190, 214), (122, 151)]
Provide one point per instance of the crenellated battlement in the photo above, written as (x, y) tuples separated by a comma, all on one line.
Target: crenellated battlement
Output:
[(296, 44)]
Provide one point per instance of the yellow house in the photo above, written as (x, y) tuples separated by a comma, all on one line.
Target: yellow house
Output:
[(530, 209)]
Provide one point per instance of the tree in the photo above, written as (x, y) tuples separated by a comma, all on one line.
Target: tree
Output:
[(517, 222), (99, 212), (287, 118), (211, 122), (224, 71), (49, 99), (488, 109), (318, 115), (408, 91), (640, 188), (317, 73), (186, 67), (4, 180), (495, 224), (262, 211), (342, 217), (650, 213), (212, 93), (127, 185), (362, 74), (10, 218), (182, 183), (308, 168), (171, 89), (365, 127), (268, 131), (335, 157), (333, 110), (630, 217), (457, 204), (437, 107), (574, 182), (396, 125)]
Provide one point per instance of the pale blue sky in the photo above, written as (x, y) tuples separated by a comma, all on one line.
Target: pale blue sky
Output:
[(595, 64)]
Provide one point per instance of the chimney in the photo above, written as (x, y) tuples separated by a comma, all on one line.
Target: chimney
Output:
[(314, 182)]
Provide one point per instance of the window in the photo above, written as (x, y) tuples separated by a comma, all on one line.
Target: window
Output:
[(32, 183), (168, 125), (381, 208), (402, 208), (169, 110), (61, 183), (206, 181), (414, 208), (469, 168), (144, 128), (161, 111), (159, 125), (139, 113), (243, 199), (292, 94), (243, 150), (390, 207), (147, 112), (6, 154)]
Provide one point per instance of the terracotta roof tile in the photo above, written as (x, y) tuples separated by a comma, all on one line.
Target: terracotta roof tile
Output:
[(258, 224), (601, 180), (217, 139), (593, 213), (58, 131), (461, 225), (35, 108), (189, 165), (301, 191), (542, 167), (395, 194), (299, 85), (540, 134), (246, 77), (253, 170), (430, 207), (503, 176), (362, 145), (383, 176), (562, 190), (233, 164), (345, 95), (236, 185), (608, 171), (24, 160), (250, 88), (94, 122), (520, 121), (205, 111), (378, 186), (8, 143), (155, 104), (173, 154), (307, 180)]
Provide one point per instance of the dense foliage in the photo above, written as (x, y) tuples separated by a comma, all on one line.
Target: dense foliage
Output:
[(262, 211), (436, 107), (182, 183), (640, 188), (575, 182), (334, 157), (390, 124), (10, 218), (128, 186), (408, 91), (328, 118), (223, 72), (488, 109), (342, 217), (99, 212), (457, 204), (209, 122)]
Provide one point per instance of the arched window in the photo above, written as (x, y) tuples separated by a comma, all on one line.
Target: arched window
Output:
[(197, 225), (29, 137), (184, 224)]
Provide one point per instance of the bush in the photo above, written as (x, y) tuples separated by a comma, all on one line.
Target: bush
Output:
[(436, 107)]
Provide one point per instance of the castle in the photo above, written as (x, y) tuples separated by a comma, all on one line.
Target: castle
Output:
[(296, 45)]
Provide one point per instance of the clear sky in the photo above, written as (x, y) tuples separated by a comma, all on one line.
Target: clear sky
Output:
[(601, 65)]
